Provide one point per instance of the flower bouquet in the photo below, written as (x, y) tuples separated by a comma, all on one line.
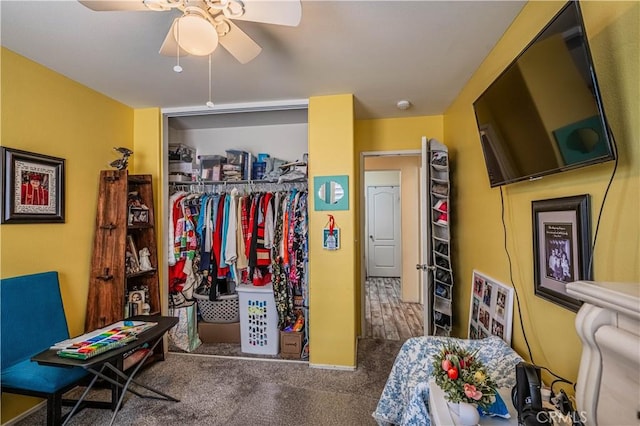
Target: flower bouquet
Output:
[(463, 377)]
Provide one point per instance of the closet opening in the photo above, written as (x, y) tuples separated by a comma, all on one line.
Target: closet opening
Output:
[(234, 202)]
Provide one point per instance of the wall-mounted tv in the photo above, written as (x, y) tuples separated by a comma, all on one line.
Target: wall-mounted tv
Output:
[(544, 113)]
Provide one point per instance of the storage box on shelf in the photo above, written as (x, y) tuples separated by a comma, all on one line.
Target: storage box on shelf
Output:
[(242, 160), (180, 177), (258, 170), (242, 166), (180, 172), (235, 156), (181, 161), (211, 167), (180, 167), (183, 153)]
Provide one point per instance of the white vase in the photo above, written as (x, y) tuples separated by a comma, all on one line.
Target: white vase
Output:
[(463, 413)]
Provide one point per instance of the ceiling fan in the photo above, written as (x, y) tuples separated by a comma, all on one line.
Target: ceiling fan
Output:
[(205, 23)]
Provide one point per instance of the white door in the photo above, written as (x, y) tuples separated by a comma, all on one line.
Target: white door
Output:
[(425, 239), (383, 231)]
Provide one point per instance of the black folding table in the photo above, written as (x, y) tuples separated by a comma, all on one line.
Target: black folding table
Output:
[(107, 366)]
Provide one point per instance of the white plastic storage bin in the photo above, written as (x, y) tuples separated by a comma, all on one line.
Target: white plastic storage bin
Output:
[(259, 332)]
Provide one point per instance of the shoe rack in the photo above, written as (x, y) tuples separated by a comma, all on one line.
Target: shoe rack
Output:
[(440, 237)]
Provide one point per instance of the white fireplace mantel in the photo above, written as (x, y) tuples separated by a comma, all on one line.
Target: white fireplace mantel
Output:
[(608, 323)]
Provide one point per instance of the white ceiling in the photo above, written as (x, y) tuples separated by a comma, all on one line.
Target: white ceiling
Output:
[(381, 51)]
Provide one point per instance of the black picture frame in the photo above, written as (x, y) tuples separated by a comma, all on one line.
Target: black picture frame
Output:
[(561, 247), (24, 200)]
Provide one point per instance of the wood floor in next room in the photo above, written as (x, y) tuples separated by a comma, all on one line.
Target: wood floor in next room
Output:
[(386, 315)]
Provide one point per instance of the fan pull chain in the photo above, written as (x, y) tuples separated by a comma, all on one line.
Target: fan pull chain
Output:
[(177, 68), (210, 103)]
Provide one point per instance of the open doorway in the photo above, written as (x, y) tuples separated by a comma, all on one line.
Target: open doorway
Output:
[(392, 291)]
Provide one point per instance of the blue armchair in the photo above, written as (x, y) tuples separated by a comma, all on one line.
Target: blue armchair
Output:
[(32, 318)]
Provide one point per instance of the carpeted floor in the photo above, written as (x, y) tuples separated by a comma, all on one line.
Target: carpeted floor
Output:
[(227, 391), (223, 349)]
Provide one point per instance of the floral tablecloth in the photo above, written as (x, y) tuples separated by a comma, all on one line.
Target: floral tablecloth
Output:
[(405, 397)]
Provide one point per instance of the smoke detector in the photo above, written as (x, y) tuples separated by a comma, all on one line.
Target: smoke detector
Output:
[(403, 104)]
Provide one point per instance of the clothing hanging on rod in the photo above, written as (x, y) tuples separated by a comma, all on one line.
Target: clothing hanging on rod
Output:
[(241, 233), (290, 254)]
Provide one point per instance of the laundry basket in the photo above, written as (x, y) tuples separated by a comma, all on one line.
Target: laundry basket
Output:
[(259, 332), (224, 310)]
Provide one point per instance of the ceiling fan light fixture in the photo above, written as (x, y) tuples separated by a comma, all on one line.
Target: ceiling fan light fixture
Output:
[(206, 23), (230, 8), (222, 25), (159, 5), (195, 34), (234, 9)]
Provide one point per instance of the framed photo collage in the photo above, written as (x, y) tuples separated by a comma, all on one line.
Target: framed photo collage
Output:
[(491, 310)]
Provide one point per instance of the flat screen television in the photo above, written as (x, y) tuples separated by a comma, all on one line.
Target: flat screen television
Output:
[(544, 113)]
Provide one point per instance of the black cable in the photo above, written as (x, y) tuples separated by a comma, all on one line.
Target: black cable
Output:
[(604, 199), (560, 378), (504, 227), (515, 290), (557, 380), (561, 381)]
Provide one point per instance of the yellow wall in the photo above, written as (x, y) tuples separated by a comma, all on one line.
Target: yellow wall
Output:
[(148, 153), (612, 28), (332, 274), (46, 113), (396, 134)]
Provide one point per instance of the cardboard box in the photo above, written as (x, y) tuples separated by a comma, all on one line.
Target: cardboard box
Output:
[(290, 344), (219, 333)]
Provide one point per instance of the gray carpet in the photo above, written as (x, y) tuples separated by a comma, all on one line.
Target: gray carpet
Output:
[(222, 349), (227, 391)]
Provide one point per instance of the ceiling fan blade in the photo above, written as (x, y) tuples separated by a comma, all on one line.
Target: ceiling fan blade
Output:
[(239, 44), (279, 12), (170, 45), (108, 5)]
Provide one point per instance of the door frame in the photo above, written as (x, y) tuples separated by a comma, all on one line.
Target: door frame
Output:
[(362, 213)]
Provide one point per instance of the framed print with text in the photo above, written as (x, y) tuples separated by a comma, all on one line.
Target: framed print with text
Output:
[(561, 247)]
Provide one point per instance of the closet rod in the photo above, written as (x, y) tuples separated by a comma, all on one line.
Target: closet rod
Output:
[(251, 185)]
